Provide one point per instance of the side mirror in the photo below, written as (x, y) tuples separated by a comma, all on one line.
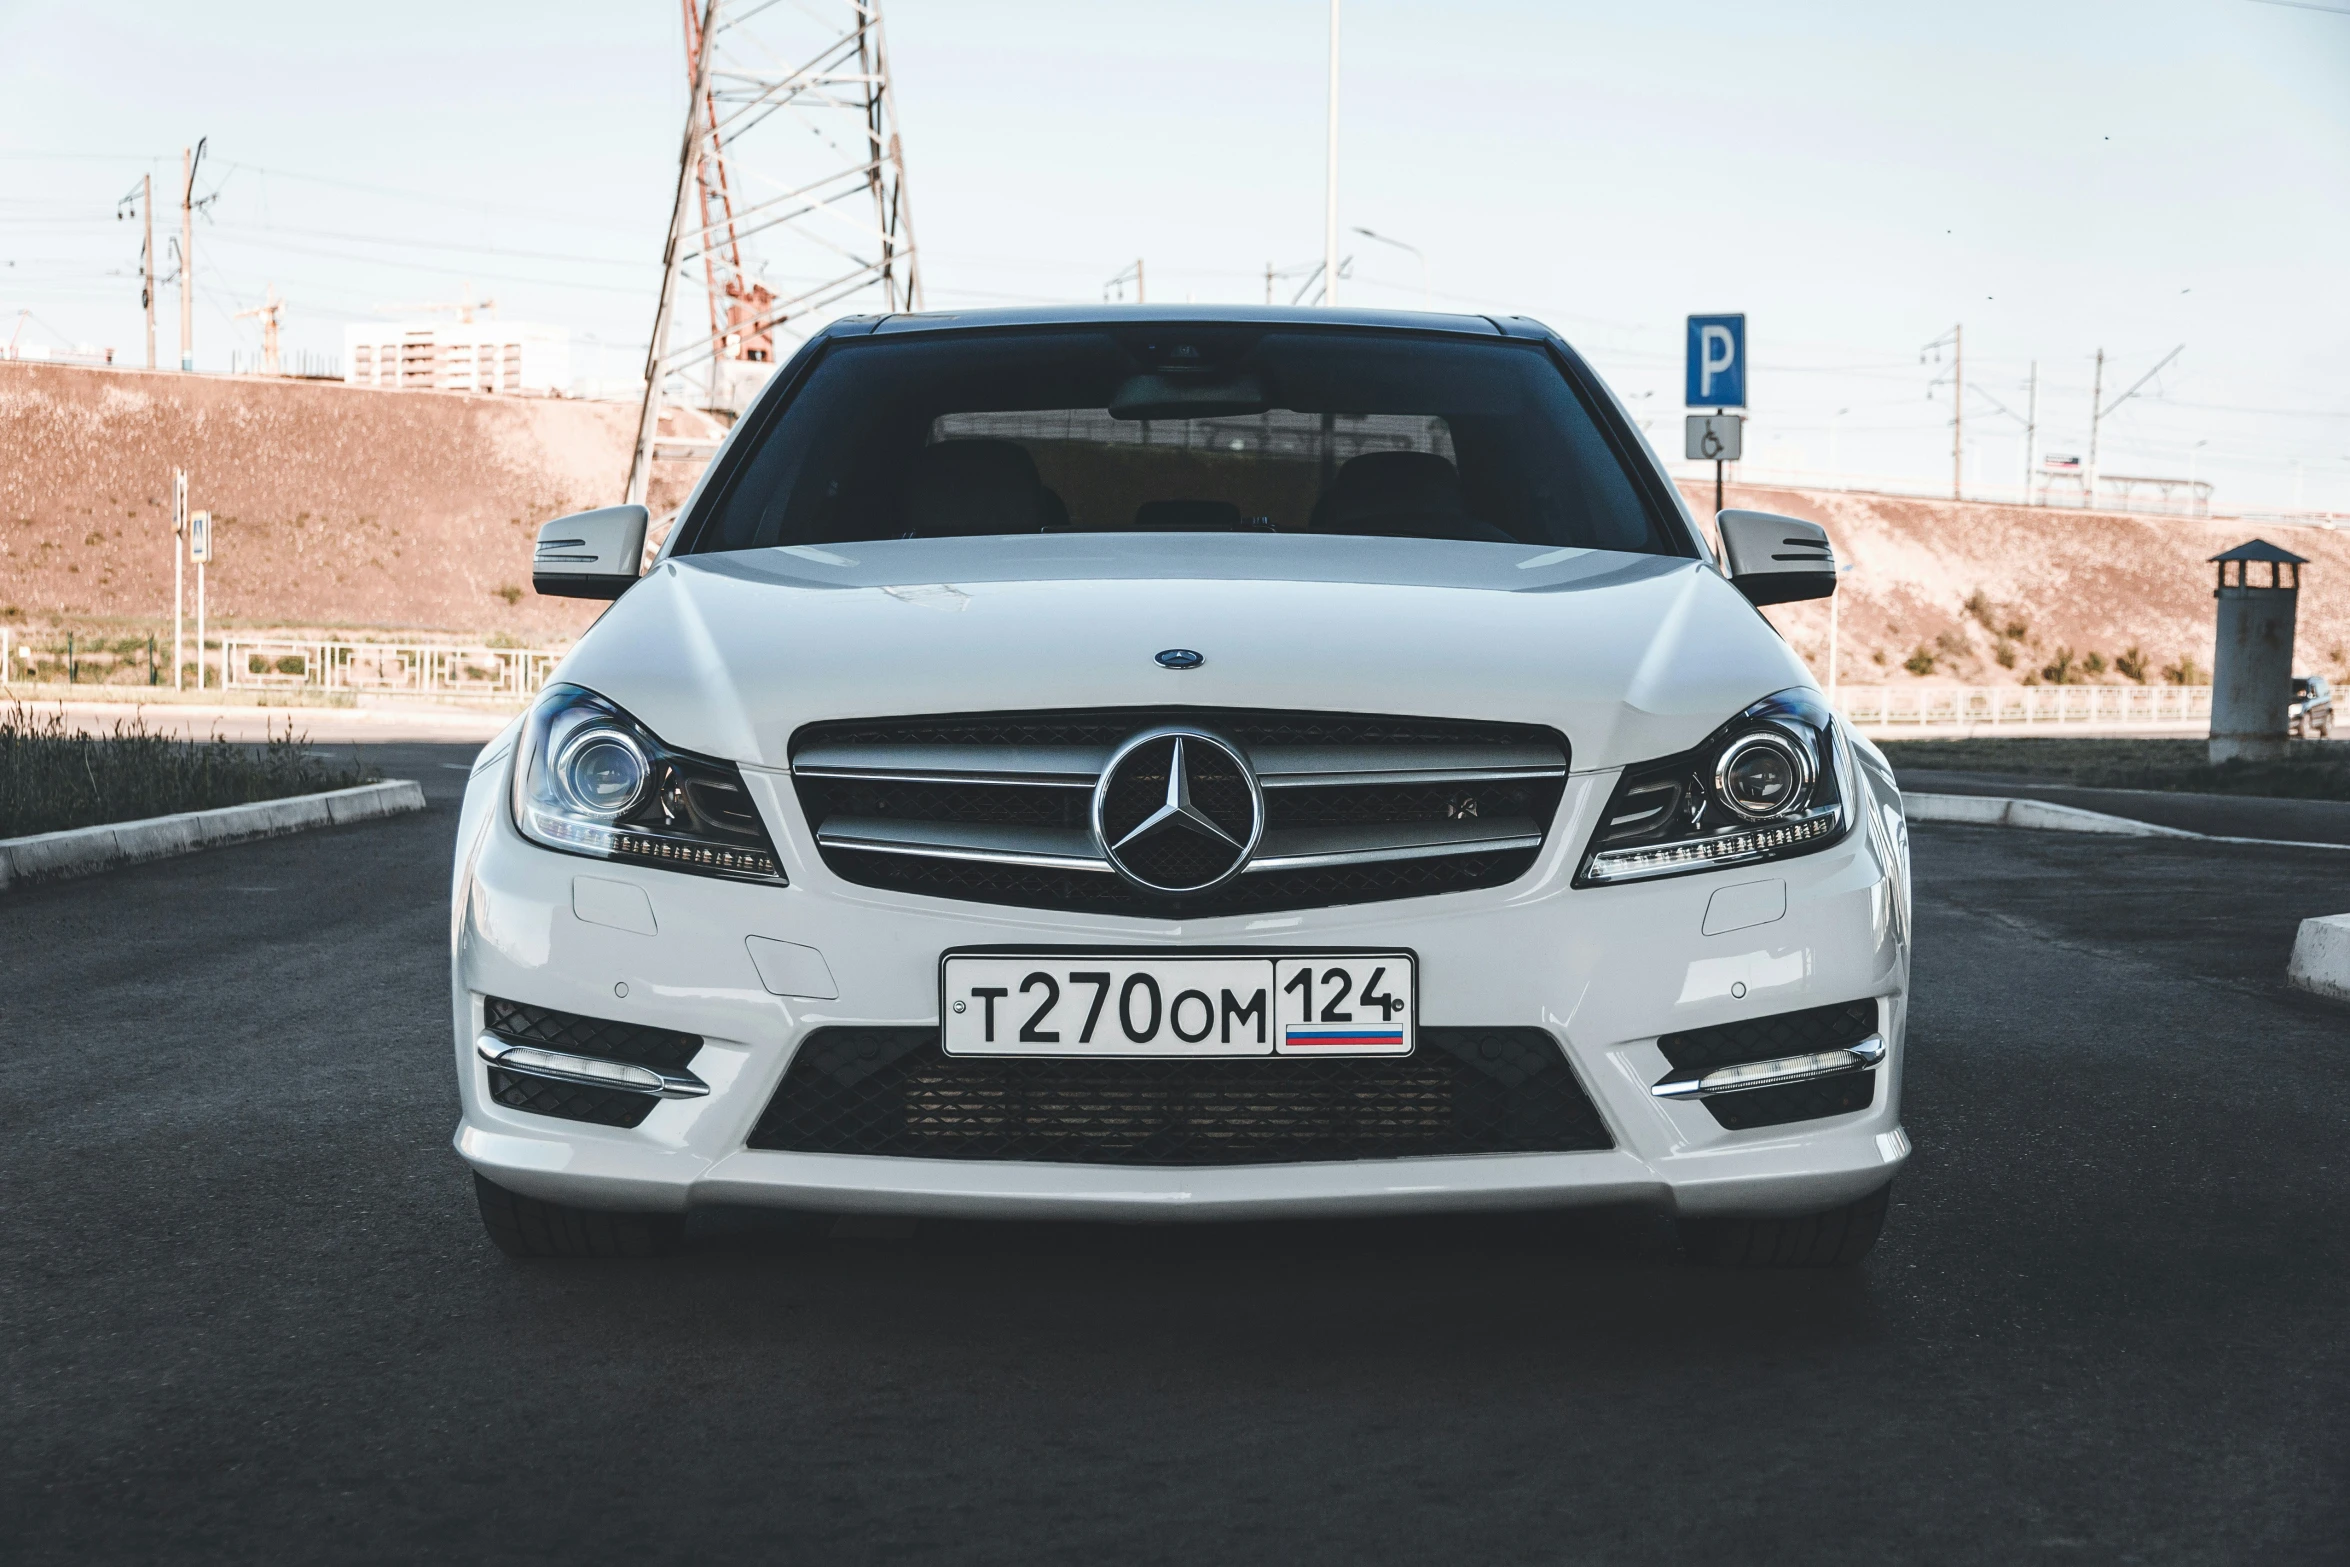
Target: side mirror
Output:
[(1777, 560), (591, 554)]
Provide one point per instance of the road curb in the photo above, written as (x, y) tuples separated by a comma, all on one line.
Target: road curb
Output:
[(1984, 810), (82, 851), (2321, 957)]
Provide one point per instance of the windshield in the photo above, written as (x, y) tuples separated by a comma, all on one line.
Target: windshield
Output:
[(1183, 429)]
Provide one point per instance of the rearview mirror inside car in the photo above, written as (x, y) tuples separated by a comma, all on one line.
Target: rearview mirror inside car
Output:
[(591, 554), (1777, 560), (1186, 396)]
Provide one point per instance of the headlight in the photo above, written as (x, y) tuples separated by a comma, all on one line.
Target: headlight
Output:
[(1765, 786), (589, 779)]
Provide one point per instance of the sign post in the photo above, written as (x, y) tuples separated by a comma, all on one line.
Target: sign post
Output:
[(200, 551), (1716, 378), (179, 569)]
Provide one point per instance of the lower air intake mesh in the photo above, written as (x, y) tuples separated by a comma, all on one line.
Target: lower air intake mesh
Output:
[(893, 1091), (662, 1049), (567, 1101)]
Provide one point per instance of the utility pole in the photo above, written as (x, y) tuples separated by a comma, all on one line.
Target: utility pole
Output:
[(2096, 400), (1958, 412), (1955, 339), (2031, 429), (147, 292), (2097, 415), (689, 158), (1268, 282), (1330, 182), (189, 159)]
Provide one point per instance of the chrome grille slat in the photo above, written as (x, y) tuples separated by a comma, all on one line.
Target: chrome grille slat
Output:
[(1301, 848), (1316, 765), (1058, 848), (1069, 848), (997, 806), (1077, 765)]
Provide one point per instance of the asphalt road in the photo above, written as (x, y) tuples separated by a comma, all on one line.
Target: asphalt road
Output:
[(246, 1311)]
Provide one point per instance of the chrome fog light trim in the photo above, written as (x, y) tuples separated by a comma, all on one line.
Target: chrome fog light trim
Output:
[(536, 1061), (1858, 1057)]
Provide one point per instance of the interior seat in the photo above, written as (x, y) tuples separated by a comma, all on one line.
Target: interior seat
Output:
[(968, 488), (1399, 495)]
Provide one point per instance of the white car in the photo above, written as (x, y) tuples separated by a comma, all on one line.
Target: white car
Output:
[(1189, 765)]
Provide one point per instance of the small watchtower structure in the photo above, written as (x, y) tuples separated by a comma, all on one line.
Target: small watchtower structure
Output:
[(2252, 656)]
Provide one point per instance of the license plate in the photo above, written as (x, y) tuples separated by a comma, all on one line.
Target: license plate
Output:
[(1292, 1004)]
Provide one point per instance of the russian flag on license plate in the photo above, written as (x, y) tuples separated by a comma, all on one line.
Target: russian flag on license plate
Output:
[(1350, 1037)]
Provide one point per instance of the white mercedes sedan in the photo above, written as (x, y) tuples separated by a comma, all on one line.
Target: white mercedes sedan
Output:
[(1181, 765)]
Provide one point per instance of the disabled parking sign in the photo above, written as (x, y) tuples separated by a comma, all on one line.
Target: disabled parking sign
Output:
[(1717, 362)]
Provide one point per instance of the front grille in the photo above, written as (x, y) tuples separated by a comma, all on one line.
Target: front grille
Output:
[(1769, 1038), (893, 1091), (663, 1049), (997, 808)]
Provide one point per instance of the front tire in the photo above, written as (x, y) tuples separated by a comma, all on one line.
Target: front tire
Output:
[(527, 1227), (1838, 1238)]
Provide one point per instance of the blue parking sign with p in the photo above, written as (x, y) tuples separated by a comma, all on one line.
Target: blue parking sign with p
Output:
[(1717, 362)]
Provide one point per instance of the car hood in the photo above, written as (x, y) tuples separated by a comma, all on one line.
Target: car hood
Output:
[(1631, 656)]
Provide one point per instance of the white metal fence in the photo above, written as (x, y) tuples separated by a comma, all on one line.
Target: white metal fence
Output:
[(1938, 707), (425, 669), (421, 669)]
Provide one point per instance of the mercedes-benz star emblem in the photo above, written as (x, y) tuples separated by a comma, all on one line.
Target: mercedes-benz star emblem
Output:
[(1181, 658), (1177, 811)]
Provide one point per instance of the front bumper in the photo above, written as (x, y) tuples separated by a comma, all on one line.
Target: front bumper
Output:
[(1604, 971)]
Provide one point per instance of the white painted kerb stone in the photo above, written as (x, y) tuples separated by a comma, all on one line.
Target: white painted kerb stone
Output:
[(80, 851), (1996, 811), (2321, 957)]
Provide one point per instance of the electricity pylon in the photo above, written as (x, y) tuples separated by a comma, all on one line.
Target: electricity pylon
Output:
[(791, 190)]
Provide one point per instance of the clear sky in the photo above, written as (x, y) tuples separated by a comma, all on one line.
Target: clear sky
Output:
[(1856, 178)]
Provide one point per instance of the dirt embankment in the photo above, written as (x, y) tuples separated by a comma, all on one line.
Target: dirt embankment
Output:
[(345, 507), (1960, 593), (333, 506)]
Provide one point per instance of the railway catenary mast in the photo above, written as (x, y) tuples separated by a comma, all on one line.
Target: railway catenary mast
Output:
[(791, 193)]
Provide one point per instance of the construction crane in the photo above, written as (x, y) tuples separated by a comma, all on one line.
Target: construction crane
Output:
[(465, 305), (267, 310)]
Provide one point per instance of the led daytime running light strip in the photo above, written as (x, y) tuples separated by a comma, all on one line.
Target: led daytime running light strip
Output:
[(617, 845), (1630, 864)]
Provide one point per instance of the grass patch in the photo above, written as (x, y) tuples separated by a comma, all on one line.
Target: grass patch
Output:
[(52, 778), (2312, 770)]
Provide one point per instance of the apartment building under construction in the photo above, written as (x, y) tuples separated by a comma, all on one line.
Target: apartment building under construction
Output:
[(508, 357)]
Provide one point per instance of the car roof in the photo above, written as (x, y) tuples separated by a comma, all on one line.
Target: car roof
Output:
[(1427, 321)]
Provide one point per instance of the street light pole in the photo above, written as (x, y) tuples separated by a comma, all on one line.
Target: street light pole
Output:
[(1330, 182), (1834, 617), (1427, 296)]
